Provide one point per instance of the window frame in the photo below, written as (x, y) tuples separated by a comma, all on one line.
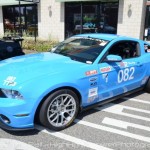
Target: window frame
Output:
[(106, 53)]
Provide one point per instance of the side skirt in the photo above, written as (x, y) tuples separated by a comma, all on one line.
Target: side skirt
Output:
[(110, 99)]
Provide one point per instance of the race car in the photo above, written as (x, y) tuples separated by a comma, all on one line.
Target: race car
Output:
[(79, 73)]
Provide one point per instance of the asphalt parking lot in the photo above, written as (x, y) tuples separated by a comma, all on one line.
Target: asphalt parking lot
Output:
[(121, 125)]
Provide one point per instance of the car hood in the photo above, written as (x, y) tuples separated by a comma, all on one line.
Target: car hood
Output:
[(23, 68)]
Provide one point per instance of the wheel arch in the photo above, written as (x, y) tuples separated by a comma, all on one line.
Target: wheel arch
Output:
[(60, 88)]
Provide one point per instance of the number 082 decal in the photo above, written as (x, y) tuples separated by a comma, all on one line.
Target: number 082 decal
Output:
[(126, 74)]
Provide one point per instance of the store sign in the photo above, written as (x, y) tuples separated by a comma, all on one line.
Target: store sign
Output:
[(31, 1)]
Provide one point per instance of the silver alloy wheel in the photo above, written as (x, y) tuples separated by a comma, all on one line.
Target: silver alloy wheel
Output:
[(61, 110)]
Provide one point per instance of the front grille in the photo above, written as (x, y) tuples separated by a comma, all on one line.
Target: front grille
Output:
[(2, 95)]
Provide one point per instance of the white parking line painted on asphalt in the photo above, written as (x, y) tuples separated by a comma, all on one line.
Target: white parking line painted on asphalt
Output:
[(117, 109), (126, 107), (116, 123), (136, 100), (10, 144), (123, 124), (112, 130), (72, 139)]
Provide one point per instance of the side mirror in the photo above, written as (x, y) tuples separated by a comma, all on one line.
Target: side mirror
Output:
[(113, 58)]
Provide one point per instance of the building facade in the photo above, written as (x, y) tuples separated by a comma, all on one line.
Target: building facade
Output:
[(59, 19)]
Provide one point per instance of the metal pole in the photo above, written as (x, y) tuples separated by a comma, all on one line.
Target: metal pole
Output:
[(35, 21), (81, 21), (98, 19), (20, 30)]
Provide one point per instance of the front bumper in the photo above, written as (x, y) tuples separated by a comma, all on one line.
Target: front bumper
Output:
[(20, 114), (9, 128)]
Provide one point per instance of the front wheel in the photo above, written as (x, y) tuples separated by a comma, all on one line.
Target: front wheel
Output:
[(59, 110)]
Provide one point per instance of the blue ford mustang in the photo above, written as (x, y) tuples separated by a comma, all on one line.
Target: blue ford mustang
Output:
[(81, 72)]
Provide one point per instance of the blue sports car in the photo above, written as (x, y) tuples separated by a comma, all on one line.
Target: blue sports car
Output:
[(79, 73)]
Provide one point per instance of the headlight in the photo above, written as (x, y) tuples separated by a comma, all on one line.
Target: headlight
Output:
[(12, 94)]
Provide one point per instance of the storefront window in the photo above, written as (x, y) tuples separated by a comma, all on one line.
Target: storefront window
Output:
[(147, 24), (72, 18), (24, 23), (92, 17)]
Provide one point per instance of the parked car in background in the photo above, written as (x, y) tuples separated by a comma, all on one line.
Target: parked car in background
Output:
[(82, 72), (105, 28), (8, 24), (10, 47), (90, 27)]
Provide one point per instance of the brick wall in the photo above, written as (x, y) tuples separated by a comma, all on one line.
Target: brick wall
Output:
[(51, 20), (131, 18)]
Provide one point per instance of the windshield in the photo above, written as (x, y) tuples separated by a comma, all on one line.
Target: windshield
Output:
[(81, 49)]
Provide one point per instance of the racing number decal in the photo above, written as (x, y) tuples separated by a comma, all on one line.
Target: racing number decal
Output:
[(126, 74), (132, 69)]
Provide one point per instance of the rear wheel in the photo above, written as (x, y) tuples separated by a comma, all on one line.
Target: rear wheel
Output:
[(59, 109), (147, 87)]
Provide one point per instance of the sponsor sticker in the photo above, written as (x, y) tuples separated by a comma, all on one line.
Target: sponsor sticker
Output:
[(103, 43), (91, 99), (93, 92), (131, 63), (105, 69), (93, 79), (88, 62), (123, 64), (105, 76), (93, 84), (92, 72), (10, 81)]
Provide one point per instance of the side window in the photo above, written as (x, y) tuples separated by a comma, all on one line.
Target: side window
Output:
[(147, 48), (125, 49)]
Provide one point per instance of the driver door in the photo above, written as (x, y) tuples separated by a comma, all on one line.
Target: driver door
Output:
[(120, 77)]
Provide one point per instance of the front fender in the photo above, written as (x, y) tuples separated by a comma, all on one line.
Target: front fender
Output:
[(35, 90)]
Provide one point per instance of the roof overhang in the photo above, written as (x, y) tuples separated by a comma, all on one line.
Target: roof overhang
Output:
[(12, 2), (86, 0)]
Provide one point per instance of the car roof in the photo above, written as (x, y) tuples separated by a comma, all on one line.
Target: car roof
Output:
[(107, 37)]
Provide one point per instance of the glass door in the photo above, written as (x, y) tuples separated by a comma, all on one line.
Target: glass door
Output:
[(90, 17)]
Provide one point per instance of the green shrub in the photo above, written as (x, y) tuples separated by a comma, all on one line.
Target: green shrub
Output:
[(39, 45)]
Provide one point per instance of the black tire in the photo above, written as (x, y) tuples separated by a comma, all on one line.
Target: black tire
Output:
[(147, 87), (49, 103)]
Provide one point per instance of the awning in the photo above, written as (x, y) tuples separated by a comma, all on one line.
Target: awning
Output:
[(11, 2), (86, 0)]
